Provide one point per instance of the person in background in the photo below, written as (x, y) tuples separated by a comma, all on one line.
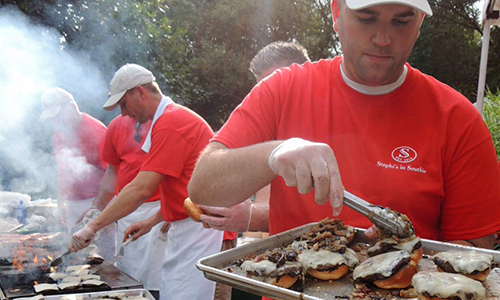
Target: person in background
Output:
[(173, 144), (399, 138), (122, 151), (77, 140), (277, 55), (254, 215)]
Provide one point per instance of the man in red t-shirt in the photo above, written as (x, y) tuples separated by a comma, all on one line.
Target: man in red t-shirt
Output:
[(173, 144), (366, 121), (77, 140), (122, 151)]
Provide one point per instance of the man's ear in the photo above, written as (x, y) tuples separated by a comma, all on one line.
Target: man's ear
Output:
[(421, 21), (335, 13)]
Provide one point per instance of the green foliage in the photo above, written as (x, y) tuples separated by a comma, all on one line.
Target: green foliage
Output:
[(200, 50), (491, 115), (205, 47), (449, 46)]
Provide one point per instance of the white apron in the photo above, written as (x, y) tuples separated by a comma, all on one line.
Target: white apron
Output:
[(106, 241), (188, 242), (142, 257)]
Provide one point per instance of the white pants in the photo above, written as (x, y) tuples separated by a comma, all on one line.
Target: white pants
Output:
[(142, 258), (188, 242), (106, 241)]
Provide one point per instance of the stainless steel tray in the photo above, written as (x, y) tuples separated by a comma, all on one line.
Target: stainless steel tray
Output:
[(214, 268), (128, 294)]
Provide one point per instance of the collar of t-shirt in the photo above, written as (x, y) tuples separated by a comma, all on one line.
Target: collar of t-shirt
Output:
[(375, 90), (165, 101)]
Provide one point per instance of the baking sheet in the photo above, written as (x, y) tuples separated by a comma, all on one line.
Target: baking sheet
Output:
[(214, 268), (130, 294)]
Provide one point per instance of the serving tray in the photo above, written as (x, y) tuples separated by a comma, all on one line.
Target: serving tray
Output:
[(215, 268)]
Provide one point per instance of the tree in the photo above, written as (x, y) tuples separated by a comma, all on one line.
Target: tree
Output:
[(206, 46)]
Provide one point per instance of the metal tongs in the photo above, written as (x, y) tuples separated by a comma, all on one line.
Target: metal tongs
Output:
[(58, 260), (383, 218)]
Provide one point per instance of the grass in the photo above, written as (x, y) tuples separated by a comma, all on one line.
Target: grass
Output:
[(491, 115)]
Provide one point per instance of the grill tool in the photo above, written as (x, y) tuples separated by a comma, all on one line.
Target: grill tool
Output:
[(58, 259), (115, 259), (379, 216)]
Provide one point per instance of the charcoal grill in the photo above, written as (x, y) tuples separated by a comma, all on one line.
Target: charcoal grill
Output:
[(18, 283)]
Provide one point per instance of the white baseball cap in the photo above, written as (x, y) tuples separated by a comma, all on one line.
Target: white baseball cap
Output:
[(127, 77), (52, 100), (422, 5)]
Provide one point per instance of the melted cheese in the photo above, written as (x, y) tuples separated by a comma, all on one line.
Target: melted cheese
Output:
[(299, 245), (68, 285), (447, 285), (92, 282), (313, 259), (380, 264), (408, 245), (266, 267), (43, 287), (466, 262)]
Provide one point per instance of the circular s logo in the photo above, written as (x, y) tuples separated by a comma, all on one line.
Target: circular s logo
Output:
[(404, 154)]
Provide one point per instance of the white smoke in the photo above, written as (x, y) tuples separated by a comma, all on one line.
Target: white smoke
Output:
[(32, 59)]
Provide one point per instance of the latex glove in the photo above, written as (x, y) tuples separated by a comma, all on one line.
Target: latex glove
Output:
[(88, 216), (372, 232), (92, 214), (81, 239), (309, 165), (233, 218)]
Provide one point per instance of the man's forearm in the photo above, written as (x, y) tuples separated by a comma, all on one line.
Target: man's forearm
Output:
[(225, 177), (156, 218), (129, 199), (260, 218)]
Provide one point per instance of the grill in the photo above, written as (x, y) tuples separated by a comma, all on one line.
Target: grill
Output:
[(24, 261)]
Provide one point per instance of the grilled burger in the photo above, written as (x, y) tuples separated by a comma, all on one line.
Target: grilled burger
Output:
[(391, 270), (279, 266), (473, 264), (447, 286)]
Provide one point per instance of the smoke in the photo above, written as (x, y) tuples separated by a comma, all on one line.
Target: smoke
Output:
[(32, 59)]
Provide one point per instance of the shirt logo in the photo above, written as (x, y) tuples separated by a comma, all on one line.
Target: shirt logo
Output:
[(404, 154)]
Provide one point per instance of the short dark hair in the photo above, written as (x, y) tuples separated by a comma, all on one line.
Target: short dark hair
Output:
[(277, 55)]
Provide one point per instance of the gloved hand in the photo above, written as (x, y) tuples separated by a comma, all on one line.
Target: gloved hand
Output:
[(309, 165), (81, 239), (233, 218), (91, 214)]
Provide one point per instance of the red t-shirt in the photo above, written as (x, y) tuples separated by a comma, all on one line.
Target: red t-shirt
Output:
[(177, 138), (79, 166), (422, 150), (123, 150)]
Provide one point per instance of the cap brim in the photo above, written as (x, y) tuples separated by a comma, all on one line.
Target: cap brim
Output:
[(112, 102), (421, 5), (50, 113)]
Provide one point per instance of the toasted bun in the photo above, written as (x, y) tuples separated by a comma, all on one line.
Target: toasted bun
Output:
[(416, 255), (350, 237), (400, 280), (193, 210), (285, 281), (480, 276), (329, 275)]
